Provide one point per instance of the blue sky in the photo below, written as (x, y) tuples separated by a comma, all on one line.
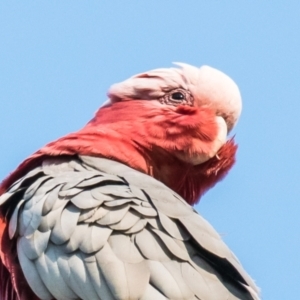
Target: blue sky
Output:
[(58, 58)]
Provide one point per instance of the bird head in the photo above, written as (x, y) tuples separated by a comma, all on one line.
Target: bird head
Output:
[(206, 89)]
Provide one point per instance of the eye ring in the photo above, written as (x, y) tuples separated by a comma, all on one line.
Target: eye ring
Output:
[(177, 96)]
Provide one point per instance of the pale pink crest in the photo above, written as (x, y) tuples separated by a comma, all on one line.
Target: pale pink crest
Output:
[(209, 87)]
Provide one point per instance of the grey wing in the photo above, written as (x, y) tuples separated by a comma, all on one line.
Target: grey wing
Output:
[(96, 229)]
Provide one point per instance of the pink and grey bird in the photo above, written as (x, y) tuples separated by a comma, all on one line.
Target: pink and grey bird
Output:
[(105, 212)]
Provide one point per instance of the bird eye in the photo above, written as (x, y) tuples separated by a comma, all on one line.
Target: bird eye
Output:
[(177, 96)]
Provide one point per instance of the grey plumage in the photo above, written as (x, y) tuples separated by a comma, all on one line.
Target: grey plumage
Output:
[(92, 228)]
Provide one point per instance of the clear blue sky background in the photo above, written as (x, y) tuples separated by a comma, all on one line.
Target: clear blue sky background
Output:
[(58, 58)]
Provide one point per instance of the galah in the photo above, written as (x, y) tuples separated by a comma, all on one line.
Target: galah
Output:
[(106, 212)]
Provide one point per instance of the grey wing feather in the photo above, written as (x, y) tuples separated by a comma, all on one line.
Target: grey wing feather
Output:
[(76, 238), (13, 224), (95, 238), (47, 266), (163, 280), (35, 281), (128, 221), (97, 278), (177, 232), (152, 293), (79, 279), (91, 228), (65, 225), (35, 245), (125, 249), (137, 227)]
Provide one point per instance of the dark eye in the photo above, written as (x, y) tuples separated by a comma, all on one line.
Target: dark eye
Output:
[(177, 96)]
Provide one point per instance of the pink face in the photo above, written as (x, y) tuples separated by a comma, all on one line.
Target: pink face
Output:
[(203, 88)]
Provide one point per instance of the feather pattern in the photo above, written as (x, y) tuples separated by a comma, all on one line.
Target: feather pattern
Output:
[(97, 229)]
